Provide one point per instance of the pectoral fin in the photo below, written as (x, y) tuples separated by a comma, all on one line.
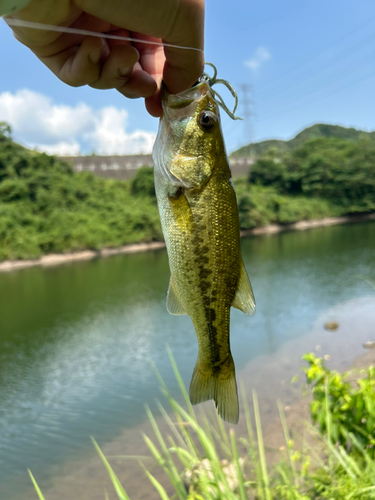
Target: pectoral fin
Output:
[(174, 305), (244, 298)]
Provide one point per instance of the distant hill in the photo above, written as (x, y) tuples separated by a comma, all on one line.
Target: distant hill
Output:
[(317, 130)]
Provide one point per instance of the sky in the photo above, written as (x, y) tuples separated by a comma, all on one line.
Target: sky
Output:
[(301, 63)]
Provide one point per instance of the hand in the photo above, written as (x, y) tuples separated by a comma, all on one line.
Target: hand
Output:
[(134, 69)]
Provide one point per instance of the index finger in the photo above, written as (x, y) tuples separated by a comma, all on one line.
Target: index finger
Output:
[(184, 66)]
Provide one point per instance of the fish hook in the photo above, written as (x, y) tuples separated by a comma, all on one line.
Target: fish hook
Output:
[(212, 80)]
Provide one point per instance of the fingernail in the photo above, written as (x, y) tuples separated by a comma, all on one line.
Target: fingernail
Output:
[(124, 72), (133, 96), (101, 53)]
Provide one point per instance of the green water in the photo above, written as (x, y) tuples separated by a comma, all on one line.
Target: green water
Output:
[(77, 341)]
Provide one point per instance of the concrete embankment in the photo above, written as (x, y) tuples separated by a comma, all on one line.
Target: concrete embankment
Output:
[(57, 259)]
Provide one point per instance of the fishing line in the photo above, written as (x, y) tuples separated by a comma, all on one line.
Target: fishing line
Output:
[(78, 31)]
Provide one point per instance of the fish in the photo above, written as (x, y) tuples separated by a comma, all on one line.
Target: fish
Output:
[(200, 222)]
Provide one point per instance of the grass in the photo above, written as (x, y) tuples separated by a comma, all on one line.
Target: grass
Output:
[(203, 460)]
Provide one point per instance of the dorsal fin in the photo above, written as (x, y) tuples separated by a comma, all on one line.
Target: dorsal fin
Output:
[(174, 305), (244, 298)]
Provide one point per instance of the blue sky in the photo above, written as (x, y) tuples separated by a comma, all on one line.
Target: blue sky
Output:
[(306, 62)]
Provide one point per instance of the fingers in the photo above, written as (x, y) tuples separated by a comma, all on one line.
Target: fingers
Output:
[(183, 67), (96, 64), (153, 104), (152, 59), (176, 22), (80, 64), (180, 73), (103, 65), (140, 84), (117, 68)]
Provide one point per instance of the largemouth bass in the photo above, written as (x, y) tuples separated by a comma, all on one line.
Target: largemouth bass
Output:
[(199, 217)]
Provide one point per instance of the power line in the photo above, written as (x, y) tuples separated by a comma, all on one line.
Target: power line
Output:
[(305, 62), (352, 84), (247, 110), (346, 52)]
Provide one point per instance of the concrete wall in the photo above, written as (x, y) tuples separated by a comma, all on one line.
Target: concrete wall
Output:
[(125, 167)]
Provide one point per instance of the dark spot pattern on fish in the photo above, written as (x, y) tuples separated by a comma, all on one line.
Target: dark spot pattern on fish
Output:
[(204, 272), (207, 289), (212, 314), (204, 286)]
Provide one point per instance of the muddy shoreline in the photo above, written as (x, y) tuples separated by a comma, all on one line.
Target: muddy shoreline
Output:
[(57, 259)]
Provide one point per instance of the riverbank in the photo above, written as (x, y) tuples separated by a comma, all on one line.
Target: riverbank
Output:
[(58, 259)]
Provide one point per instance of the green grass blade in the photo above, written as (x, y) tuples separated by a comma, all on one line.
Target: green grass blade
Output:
[(359, 492), (37, 489), (238, 465), (181, 384), (121, 493), (328, 413), (283, 475), (349, 460), (217, 430), (223, 431), (157, 485), (368, 281), (252, 450), (189, 442), (172, 426), (210, 452), (262, 456), (340, 459), (130, 457), (207, 426), (184, 456), (168, 463), (287, 441)]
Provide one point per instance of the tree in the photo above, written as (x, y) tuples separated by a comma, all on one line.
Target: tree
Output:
[(5, 130)]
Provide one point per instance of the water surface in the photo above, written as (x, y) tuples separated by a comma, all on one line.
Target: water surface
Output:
[(77, 341)]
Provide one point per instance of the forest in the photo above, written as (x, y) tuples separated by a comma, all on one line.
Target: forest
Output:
[(46, 207)]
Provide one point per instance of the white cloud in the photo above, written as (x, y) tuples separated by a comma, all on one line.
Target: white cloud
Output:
[(60, 129), (260, 56), (109, 135), (60, 148)]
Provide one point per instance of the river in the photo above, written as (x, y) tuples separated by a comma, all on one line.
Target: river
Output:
[(77, 342)]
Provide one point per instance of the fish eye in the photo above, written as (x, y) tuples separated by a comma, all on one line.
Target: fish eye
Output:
[(206, 120)]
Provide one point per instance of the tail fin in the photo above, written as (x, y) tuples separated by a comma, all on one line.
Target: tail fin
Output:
[(219, 385)]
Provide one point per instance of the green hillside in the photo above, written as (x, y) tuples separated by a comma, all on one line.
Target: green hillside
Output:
[(46, 207), (313, 132)]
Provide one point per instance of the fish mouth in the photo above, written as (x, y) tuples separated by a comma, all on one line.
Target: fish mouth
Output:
[(186, 97)]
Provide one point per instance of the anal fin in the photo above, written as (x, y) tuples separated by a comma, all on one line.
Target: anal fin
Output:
[(174, 305), (244, 298)]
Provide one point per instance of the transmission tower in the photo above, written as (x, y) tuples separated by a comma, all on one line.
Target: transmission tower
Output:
[(246, 108)]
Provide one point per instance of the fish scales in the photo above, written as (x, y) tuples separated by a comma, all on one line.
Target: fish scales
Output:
[(199, 216)]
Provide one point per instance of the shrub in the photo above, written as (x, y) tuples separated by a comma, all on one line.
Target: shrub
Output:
[(340, 408)]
